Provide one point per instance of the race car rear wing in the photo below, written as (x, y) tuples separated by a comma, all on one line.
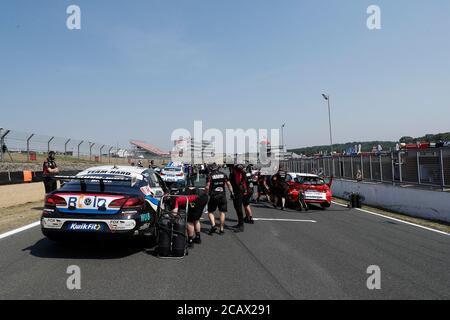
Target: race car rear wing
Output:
[(100, 179)]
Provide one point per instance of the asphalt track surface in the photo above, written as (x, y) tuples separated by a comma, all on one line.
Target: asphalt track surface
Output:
[(326, 259)]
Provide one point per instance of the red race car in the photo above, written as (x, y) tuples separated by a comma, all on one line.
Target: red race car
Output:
[(315, 189)]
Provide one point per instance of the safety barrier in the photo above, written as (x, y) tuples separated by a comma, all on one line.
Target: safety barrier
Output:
[(423, 167), (26, 176)]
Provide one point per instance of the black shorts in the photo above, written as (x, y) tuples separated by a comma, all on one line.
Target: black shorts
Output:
[(196, 208), (281, 191), (50, 185), (217, 201)]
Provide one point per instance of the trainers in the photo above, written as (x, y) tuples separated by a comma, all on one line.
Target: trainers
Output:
[(221, 232), (251, 221), (212, 230), (246, 220), (190, 243), (239, 228), (197, 240)]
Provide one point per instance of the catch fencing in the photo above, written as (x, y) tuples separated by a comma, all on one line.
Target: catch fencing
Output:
[(421, 167), (21, 147)]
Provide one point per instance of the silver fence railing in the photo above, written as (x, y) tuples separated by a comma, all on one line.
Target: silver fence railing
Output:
[(426, 167), (17, 146)]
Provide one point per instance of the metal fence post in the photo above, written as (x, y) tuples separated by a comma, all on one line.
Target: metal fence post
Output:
[(351, 166), (370, 165), (28, 146), (362, 167), (91, 145), (418, 167), (78, 148), (393, 169), (2, 144), (381, 168), (333, 166), (441, 160), (48, 143), (65, 146), (400, 166), (109, 154), (101, 152)]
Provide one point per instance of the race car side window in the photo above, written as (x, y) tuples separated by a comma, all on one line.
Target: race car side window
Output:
[(288, 178)]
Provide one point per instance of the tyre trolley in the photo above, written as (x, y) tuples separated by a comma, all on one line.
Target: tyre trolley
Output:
[(172, 240)]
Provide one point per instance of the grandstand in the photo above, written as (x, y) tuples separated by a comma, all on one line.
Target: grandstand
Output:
[(142, 149)]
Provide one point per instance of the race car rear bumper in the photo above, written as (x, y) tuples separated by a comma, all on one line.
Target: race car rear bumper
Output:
[(75, 224)]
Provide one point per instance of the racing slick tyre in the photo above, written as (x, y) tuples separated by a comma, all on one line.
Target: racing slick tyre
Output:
[(164, 237), (52, 236), (179, 237), (325, 205)]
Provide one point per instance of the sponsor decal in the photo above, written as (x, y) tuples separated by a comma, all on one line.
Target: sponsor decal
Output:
[(314, 195), (88, 202), (85, 227)]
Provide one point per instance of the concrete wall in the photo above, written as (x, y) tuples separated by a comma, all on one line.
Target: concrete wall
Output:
[(415, 202)]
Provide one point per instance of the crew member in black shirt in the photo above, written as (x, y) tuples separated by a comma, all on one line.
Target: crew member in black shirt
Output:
[(239, 183), (49, 170), (215, 186), (280, 188)]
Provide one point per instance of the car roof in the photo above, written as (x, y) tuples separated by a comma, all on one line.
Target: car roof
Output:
[(295, 174), (126, 171)]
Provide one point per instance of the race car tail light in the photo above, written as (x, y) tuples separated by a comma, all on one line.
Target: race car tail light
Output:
[(180, 174), (53, 201), (118, 203), (127, 202), (134, 202)]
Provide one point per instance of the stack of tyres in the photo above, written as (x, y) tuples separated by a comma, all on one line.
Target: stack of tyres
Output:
[(172, 240), (355, 200), (165, 236), (179, 236)]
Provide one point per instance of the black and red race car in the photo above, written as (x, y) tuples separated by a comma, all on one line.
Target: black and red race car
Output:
[(316, 189)]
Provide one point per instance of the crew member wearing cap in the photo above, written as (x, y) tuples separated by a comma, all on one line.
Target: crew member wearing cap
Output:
[(50, 169)]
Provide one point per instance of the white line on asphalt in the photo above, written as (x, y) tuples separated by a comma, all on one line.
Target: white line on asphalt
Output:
[(398, 220), (288, 220), (28, 226)]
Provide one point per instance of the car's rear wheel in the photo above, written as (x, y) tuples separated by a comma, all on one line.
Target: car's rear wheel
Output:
[(325, 205), (53, 236)]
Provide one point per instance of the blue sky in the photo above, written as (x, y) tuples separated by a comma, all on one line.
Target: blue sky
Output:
[(139, 69)]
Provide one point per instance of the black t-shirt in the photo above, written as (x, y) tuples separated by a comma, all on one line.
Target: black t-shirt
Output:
[(282, 176), (217, 181)]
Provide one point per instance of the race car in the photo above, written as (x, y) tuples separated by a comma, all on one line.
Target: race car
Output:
[(173, 173), (315, 188), (106, 200)]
